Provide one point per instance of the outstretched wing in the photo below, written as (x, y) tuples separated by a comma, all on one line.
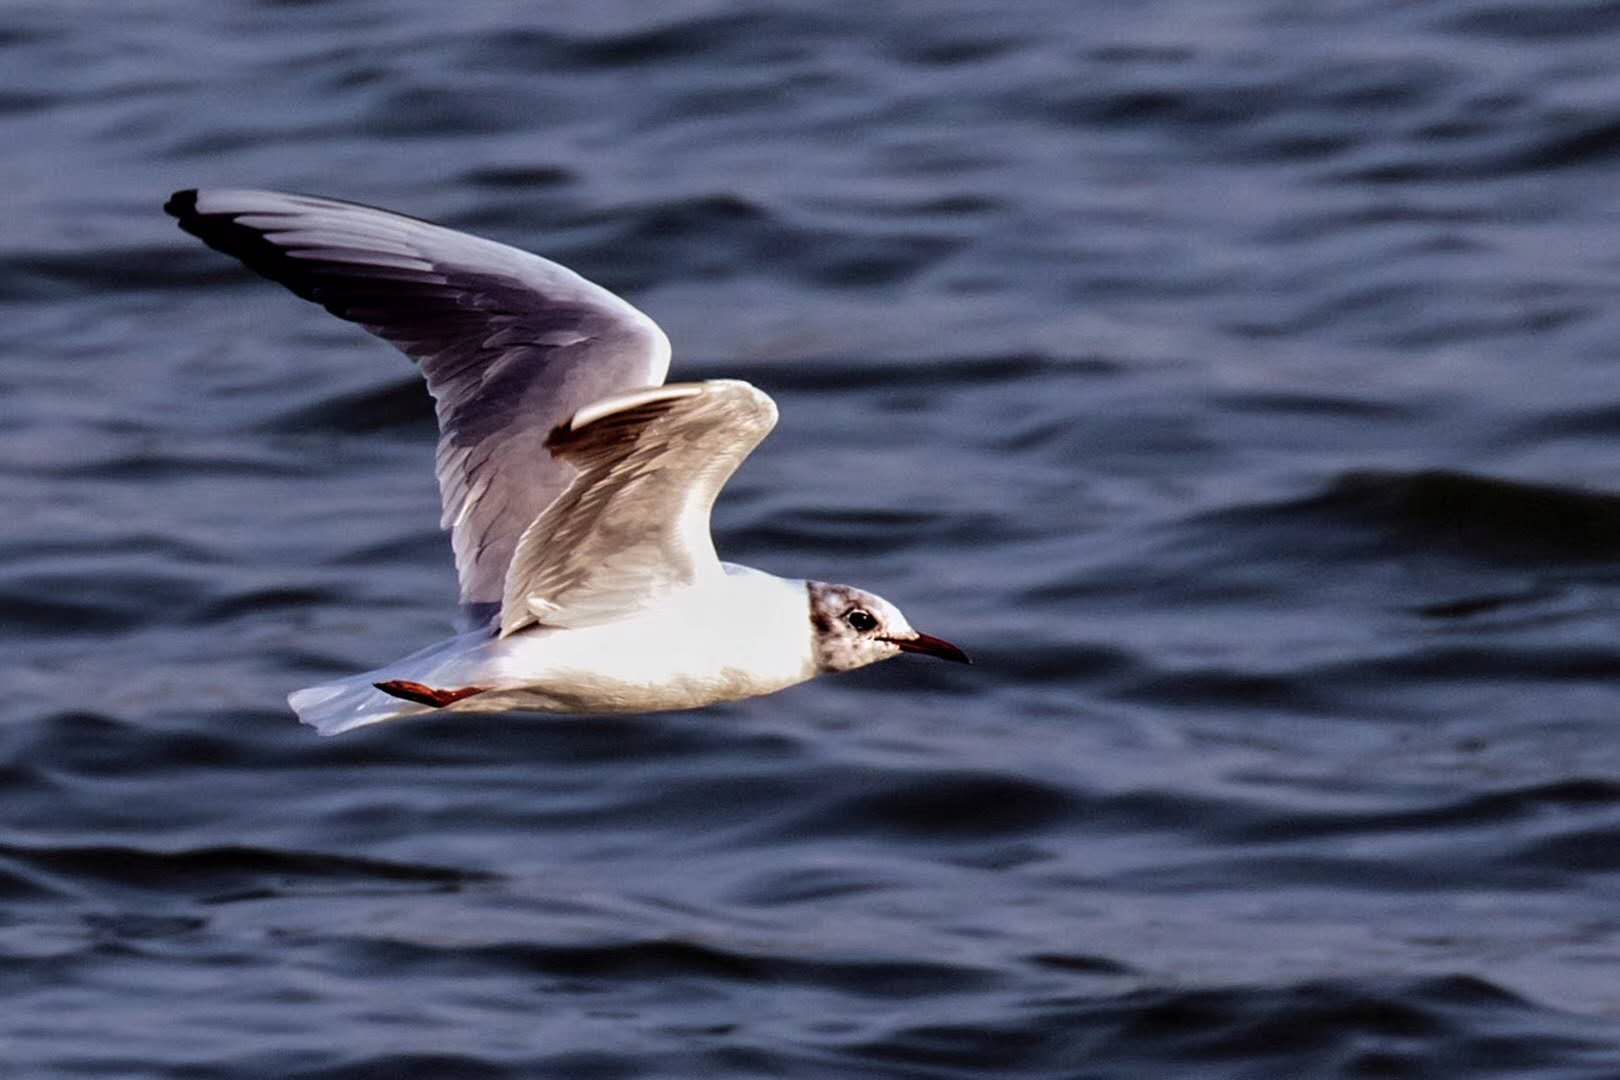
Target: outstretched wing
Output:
[(511, 344), (634, 524)]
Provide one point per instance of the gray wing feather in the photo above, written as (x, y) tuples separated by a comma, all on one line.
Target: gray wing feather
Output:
[(511, 344), (634, 524)]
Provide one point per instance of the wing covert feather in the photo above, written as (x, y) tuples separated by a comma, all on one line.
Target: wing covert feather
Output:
[(633, 526)]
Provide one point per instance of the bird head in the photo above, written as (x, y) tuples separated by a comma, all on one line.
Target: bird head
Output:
[(851, 628)]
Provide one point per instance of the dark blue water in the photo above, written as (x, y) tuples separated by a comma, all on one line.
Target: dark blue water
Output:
[(1236, 380)]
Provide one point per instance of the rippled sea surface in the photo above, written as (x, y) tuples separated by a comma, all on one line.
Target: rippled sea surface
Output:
[(1236, 380)]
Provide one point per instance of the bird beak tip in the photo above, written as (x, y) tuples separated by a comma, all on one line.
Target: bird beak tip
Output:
[(929, 645)]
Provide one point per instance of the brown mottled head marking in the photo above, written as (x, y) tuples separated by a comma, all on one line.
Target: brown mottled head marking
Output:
[(838, 645)]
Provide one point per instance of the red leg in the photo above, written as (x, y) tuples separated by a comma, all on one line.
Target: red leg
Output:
[(426, 695)]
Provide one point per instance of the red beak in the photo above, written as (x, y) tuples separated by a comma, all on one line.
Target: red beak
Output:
[(929, 645)]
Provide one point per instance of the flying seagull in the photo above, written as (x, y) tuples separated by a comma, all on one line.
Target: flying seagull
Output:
[(576, 485)]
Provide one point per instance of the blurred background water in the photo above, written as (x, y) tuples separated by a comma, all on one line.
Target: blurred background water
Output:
[(1235, 380)]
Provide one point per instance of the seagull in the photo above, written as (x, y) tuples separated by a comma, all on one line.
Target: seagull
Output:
[(576, 484)]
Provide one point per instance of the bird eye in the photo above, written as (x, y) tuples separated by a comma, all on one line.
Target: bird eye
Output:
[(861, 621)]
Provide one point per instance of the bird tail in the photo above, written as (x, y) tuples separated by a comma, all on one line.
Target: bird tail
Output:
[(335, 707)]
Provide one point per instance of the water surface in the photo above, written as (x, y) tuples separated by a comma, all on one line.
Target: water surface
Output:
[(1236, 381)]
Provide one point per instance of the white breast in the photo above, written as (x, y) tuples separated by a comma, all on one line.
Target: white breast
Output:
[(740, 635)]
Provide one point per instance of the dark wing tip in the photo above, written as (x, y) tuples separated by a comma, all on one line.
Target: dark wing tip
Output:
[(182, 204), (221, 231)]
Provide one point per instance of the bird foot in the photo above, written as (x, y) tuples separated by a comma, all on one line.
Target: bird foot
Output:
[(426, 695)]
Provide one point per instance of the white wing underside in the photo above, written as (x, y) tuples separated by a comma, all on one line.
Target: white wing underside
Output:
[(633, 526)]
